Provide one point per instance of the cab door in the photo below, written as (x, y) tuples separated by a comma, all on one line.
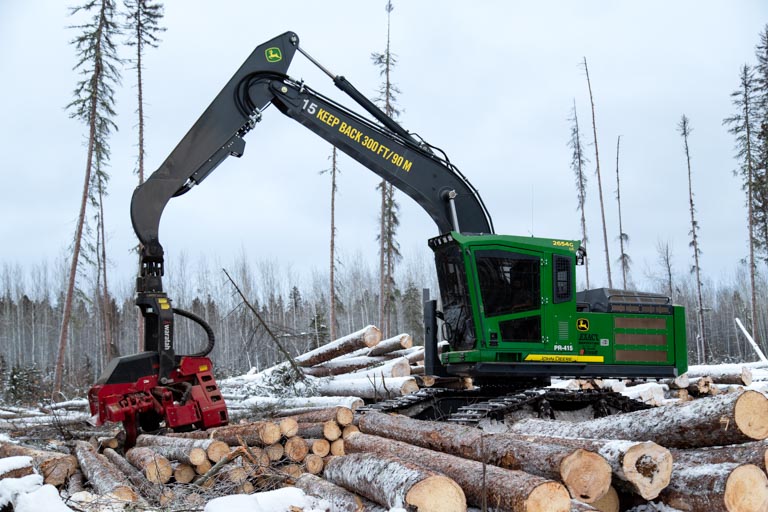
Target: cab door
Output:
[(508, 283)]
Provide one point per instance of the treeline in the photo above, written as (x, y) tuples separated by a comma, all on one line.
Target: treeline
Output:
[(295, 309)]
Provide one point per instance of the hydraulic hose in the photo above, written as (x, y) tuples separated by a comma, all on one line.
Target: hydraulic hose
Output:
[(202, 323)]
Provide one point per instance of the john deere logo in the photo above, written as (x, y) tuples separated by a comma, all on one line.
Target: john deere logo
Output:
[(582, 324), (273, 54)]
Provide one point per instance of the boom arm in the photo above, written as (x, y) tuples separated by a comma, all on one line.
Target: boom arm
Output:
[(389, 151)]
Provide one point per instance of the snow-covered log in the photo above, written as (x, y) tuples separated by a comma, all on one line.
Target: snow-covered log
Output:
[(718, 488), (366, 337), (643, 468), (399, 342), (16, 466), (713, 421), (340, 499), (55, 467), (396, 483), (214, 449), (504, 489), (586, 474), (373, 388), (103, 476)]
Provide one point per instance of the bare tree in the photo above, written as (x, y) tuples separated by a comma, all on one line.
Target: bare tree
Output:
[(624, 259), (578, 162), (389, 250), (684, 128), (94, 105), (742, 126), (664, 252), (599, 179), (332, 271)]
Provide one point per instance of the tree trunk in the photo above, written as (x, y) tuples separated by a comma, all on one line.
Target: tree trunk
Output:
[(327, 430), (713, 421), (500, 488), (395, 483), (55, 467), (16, 467), (214, 449), (399, 367), (399, 342), (340, 499), (643, 467), (104, 477), (342, 415), (741, 377), (261, 433), (146, 488), (366, 337), (373, 388), (586, 474), (718, 487), (155, 467), (748, 453)]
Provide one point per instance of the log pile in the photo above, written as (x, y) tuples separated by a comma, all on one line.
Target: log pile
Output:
[(706, 452)]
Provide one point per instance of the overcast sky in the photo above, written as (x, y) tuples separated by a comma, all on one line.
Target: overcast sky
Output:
[(490, 82)]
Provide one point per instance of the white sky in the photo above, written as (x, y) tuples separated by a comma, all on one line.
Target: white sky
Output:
[(490, 82)]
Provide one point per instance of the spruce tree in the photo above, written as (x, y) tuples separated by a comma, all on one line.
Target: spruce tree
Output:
[(760, 170), (389, 250), (578, 163), (742, 126), (99, 64)]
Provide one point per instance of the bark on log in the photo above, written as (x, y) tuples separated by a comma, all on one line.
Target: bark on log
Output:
[(396, 483), (342, 415), (586, 474), (713, 421), (580, 506), (104, 477), (17, 467), (399, 367), (366, 337), (260, 433), (348, 364), (290, 406), (643, 468), (741, 377), (399, 342), (143, 486), (718, 487), (326, 430), (340, 499), (214, 449), (154, 466), (748, 453), (75, 483), (373, 388), (504, 489), (182, 453), (55, 467)]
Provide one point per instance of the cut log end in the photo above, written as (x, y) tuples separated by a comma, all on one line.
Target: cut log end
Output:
[(437, 493), (648, 467), (549, 496), (751, 415), (586, 475), (609, 502), (746, 489)]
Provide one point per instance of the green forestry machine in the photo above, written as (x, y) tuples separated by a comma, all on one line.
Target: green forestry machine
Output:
[(509, 307)]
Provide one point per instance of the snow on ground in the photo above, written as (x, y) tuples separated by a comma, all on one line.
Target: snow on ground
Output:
[(280, 500)]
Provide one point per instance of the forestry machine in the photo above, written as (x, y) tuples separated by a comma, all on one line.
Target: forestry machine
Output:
[(509, 310)]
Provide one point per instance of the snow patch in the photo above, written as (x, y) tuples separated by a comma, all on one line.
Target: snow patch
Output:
[(11, 488), (8, 464), (45, 498), (280, 500)]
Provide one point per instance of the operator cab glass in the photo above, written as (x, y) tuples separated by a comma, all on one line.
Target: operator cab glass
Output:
[(458, 326)]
